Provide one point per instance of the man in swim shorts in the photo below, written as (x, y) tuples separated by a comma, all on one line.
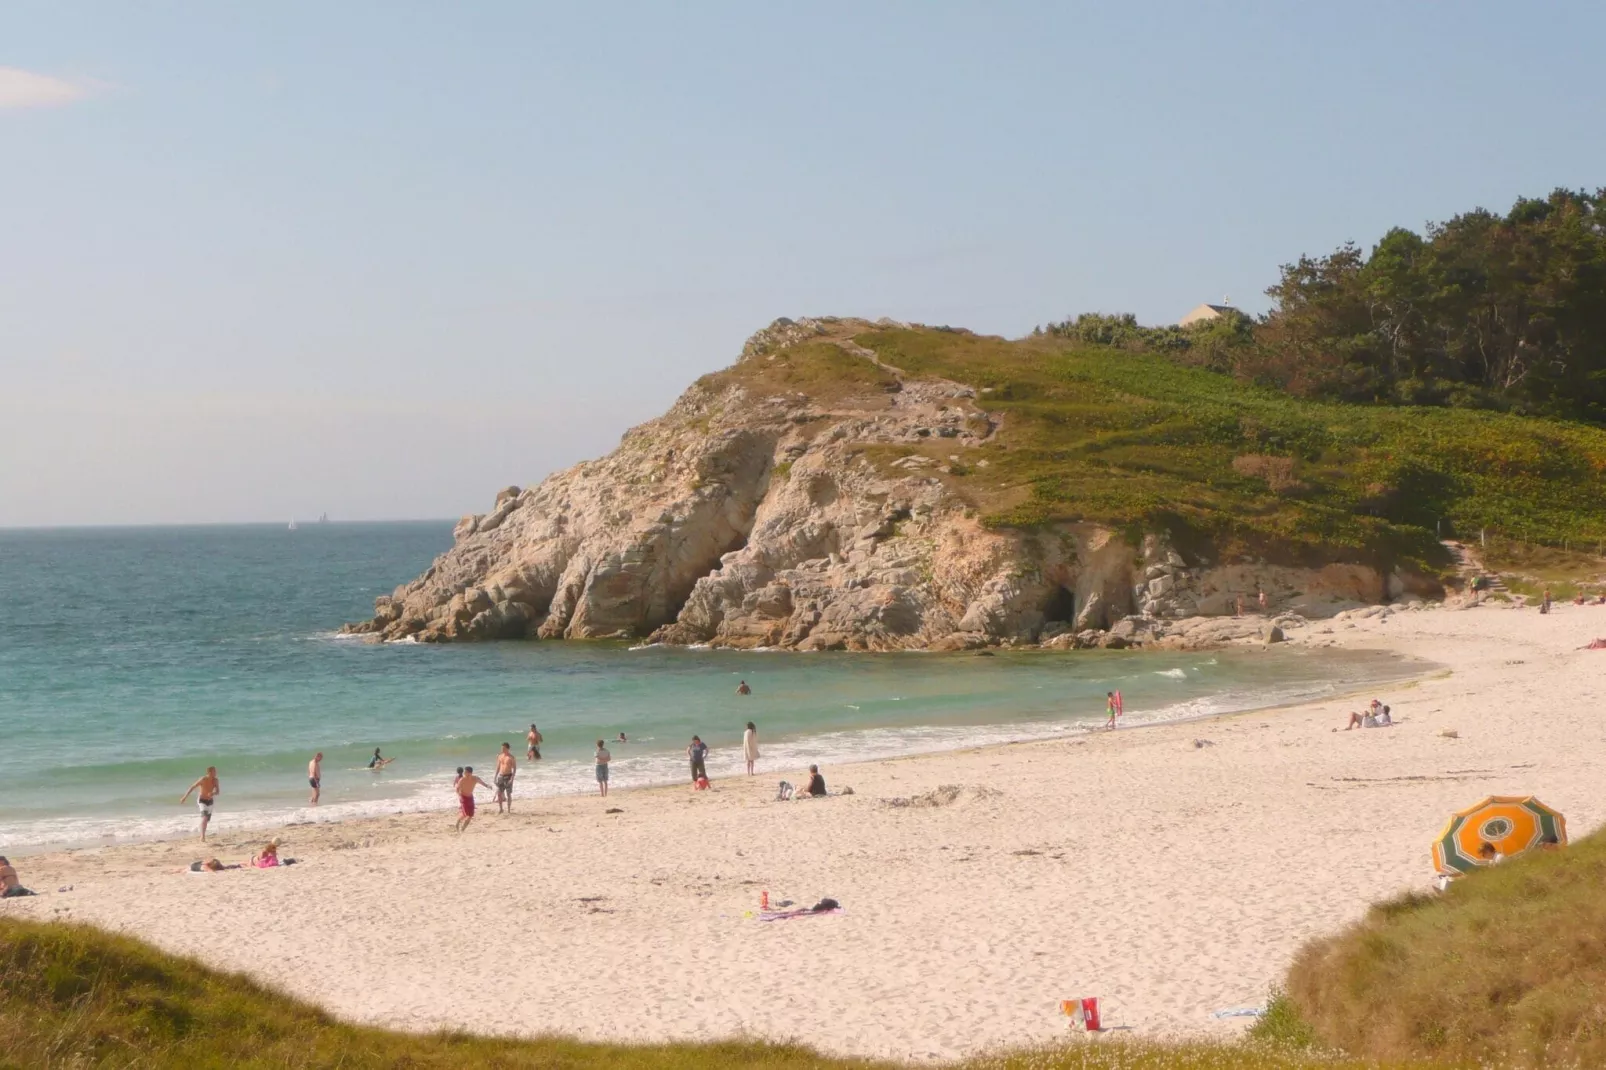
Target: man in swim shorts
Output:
[(465, 796), (533, 740), (506, 767), (315, 777), (208, 789)]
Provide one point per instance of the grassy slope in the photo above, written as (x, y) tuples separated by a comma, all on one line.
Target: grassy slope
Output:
[(1139, 442), (1509, 964), (74, 996)]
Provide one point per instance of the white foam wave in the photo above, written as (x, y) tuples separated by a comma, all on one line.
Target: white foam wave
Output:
[(1175, 674)]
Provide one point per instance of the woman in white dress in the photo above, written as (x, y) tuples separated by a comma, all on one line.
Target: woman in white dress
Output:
[(750, 746)]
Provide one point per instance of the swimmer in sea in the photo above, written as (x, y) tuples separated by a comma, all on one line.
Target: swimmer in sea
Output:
[(743, 689), (376, 763), (208, 788)]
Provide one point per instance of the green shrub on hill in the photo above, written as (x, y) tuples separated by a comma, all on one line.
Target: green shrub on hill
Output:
[(1140, 442), (1507, 968)]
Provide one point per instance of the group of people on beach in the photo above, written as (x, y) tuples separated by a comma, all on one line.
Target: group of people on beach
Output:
[(208, 787), (1377, 715)]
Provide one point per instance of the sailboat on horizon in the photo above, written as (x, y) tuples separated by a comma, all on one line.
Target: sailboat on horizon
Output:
[(293, 524)]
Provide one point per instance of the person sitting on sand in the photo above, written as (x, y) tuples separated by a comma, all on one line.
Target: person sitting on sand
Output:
[(816, 785), (1384, 719), (1549, 843), (1355, 721), (10, 884), (1490, 855), (269, 856)]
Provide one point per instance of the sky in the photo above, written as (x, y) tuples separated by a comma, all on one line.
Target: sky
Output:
[(260, 262)]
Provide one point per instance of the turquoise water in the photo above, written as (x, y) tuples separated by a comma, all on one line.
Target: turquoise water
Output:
[(130, 659)]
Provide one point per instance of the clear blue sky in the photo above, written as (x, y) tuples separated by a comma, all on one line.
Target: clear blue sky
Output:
[(380, 259)]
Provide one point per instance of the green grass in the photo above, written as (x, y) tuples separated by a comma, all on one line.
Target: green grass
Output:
[(1509, 966), (73, 996), (1141, 443)]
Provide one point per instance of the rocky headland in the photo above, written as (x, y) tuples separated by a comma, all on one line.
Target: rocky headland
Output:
[(818, 496)]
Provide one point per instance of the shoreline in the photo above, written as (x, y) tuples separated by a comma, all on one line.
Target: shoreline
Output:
[(979, 887), (257, 824)]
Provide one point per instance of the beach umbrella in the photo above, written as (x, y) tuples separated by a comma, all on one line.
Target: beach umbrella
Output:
[(1513, 823)]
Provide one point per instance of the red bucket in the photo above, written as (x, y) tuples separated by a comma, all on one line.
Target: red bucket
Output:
[(1085, 1011)]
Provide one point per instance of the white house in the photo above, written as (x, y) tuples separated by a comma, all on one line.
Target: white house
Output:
[(1204, 314)]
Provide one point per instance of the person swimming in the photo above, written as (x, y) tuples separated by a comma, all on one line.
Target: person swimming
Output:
[(377, 762)]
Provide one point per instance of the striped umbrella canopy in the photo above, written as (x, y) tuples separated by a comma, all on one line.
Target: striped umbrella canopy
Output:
[(1513, 823)]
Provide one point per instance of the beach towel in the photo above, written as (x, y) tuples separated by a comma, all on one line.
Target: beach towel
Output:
[(1240, 1012)]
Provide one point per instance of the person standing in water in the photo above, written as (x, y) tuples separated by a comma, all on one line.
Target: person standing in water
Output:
[(208, 789), (603, 758), (750, 746), (532, 739), (743, 689), (315, 777), (465, 796), (376, 763), (1112, 707), (698, 753), (506, 767)]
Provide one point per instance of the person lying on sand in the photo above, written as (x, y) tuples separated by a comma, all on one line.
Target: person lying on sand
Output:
[(212, 865), (10, 884)]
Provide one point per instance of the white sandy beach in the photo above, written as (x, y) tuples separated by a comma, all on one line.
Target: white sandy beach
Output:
[(1171, 880)]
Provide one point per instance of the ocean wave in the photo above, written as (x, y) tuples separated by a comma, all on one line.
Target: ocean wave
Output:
[(1175, 674)]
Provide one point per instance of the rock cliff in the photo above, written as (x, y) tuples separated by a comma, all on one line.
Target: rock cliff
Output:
[(805, 498)]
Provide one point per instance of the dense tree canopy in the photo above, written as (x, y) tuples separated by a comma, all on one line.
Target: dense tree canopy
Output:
[(1485, 311)]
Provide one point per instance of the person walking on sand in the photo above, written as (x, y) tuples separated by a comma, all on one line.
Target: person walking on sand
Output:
[(1260, 595), (465, 796), (208, 789), (1111, 708), (506, 767), (532, 739), (750, 746), (315, 777), (742, 688), (603, 758), (698, 753)]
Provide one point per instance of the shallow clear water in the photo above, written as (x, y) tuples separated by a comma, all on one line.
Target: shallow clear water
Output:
[(130, 659)]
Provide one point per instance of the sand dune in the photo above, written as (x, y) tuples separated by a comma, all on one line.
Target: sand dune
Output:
[(1170, 879)]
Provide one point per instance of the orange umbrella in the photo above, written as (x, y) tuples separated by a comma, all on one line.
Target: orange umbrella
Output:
[(1511, 823)]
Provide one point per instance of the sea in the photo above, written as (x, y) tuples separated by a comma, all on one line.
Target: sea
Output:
[(133, 658)]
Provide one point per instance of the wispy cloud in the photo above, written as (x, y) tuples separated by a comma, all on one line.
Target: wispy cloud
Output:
[(24, 89)]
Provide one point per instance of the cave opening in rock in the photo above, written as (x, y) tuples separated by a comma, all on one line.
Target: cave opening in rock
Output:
[(1061, 605)]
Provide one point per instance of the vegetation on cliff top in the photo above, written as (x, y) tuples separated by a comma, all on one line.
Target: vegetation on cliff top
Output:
[(1138, 441)]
